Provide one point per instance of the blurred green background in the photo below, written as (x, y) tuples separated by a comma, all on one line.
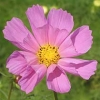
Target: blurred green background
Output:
[(85, 12)]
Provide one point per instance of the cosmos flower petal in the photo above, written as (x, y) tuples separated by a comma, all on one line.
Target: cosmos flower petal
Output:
[(38, 23), (29, 57), (28, 82), (52, 34), (62, 35), (68, 67), (41, 70), (36, 17), (82, 39), (57, 80), (52, 68), (67, 49), (56, 36), (88, 69), (83, 68), (78, 43), (41, 35), (32, 77), (60, 19), (16, 63), (18, 34)]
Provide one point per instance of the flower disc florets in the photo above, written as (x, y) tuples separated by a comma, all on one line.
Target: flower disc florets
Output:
[(48, 55)]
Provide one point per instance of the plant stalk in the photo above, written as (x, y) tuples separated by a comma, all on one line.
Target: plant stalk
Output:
[(11, 87), (55, 95)]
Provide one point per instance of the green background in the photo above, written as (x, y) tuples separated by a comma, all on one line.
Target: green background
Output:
[(85, 12)]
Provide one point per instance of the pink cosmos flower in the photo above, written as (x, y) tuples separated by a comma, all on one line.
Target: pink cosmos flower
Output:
[(49, 50)]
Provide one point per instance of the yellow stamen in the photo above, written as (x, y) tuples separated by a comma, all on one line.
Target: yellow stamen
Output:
[(48, 55)]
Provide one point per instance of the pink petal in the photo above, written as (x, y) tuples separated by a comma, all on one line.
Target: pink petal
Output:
[(18, 34), (57, 80), (79, 42), (28, 82), (68, 67), (52, 34), (40, 70), (16, 63), (36, 17), (82, 39), (29, 57), (56, 36), (83, 68), (67, 49), (41, 35), (88, 70), (38, 23), (60, 19), (32, 77), (62, 35)]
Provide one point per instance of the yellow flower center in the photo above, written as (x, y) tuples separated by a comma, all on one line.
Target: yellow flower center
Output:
[(48, 55)]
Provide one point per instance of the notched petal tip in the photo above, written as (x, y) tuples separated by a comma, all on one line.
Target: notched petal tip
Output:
[(60, 19), (36, 17), (32, 7), (17, 33), (88, 70), (13, 27), (82, 39)]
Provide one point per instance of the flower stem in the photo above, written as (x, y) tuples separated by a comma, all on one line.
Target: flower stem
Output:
[(55, 95), (11, 87)]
